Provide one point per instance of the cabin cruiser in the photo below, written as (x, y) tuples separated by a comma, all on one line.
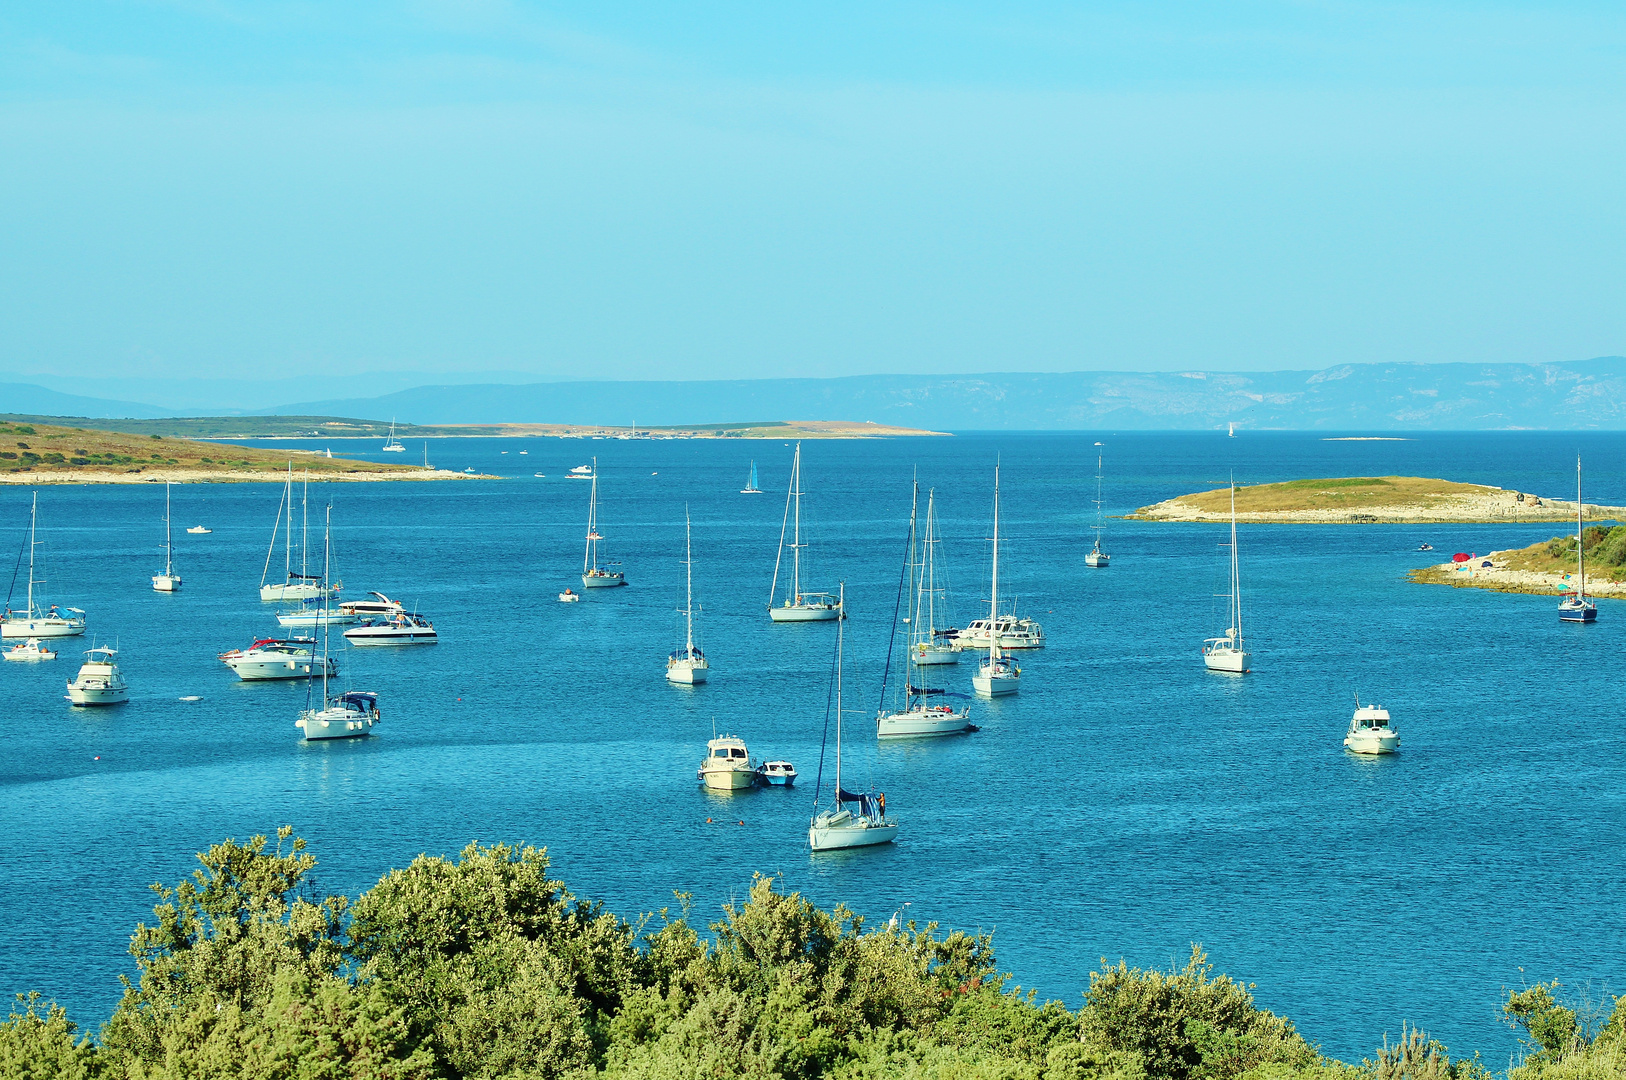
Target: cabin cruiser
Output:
[(350, 715), (30, 650), (727, 766), (776, 774), (99, 681), (383, 605), (581, 472), (402, 628), (1013, 633), (277, 658), (199, 530), (1369, 731)]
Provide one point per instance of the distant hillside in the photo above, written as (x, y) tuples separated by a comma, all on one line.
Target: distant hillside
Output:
[(25, 398), (1366, 397)]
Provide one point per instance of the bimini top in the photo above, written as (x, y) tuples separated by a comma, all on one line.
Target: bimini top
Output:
[(684, 654), (100, 655)]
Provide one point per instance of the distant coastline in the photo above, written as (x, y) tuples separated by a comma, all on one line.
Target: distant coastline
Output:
[(1370, 500)]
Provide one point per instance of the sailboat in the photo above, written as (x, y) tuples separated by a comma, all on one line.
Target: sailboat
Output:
[(998, 675), (797, 605), (914, 715), (39, 620), (169, 580), (750, 487), (391, 444), (303, 585), (1227, 653), (1575, 607), (426, 455), (928, 645), (351, 714), (688, 664), (595, 576), (1098, 558), (841, 827)]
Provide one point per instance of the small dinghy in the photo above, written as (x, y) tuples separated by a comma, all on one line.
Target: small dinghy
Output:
[(776, 774), (569, 597), (29, 650)]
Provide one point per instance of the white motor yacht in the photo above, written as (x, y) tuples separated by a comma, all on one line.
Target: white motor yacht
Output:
[(99, 681), (1227, 652), (39, 619), (727, 766), (169, 580), (857, 819), (687, 665), (1369, 731), (1013, 633), (29, 650), (350, 715), (583, 472), (277, 658), (381, 606), (402, 628), (797, 606), (199, 530)]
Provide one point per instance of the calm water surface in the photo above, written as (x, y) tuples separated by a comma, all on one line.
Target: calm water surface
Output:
[(1125, 804)]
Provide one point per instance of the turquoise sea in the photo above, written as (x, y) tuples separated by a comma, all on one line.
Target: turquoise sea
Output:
[(1125, 804)]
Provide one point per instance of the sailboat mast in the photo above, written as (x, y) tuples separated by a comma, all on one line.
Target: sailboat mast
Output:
[(688, 566), (1236, 583), (592, 523), (305, 535), (993, 592), (288, 528), (928, 569), (796, 537), (841, 627), (169, 546), (33, 517), (327, 623), (1580, 534)]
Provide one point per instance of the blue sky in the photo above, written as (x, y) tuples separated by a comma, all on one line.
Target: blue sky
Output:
[(205, 187)]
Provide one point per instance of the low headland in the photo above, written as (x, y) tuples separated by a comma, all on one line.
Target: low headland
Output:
[(1368, 500), (52, 454), (483, 966), (1545, 568)]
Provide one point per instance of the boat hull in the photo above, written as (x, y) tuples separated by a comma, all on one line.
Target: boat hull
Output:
[(805, 613), (269, 669), (1234, 661), (295, 592), (42, 628), (1386, 743), (921, 724), (166, 582), (603, 580), (931, 655), (367, 635), (686, 672), (334, 724), (98, 695), (1097, 559), (728, 779), (30, 651), (775, 779), (854, 833), (995, 685), (315, 618), (1569, 611)]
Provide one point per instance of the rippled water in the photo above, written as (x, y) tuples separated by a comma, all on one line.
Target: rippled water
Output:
[(1126, 803)]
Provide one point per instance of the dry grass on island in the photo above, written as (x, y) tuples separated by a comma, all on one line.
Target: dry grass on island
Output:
[(1368, 500), (50, 454), (1545, 568)]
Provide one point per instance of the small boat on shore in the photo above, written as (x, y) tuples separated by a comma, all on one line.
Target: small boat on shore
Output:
[(1369, 731)]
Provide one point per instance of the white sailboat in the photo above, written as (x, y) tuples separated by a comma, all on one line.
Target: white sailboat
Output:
[(913, 714), (169, 580), (426, 455), (391, 444), (750, 487), (687, 665), (351, 714), (1228, 653), (1575, 607), (998, 675), (595, 576), (842, 827), (39, 619), (1097, 558), (930, 645), (797, 605), (303, 585)]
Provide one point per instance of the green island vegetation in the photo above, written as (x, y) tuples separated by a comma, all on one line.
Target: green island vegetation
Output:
[(485, 967), (51, 452), (1605, 561), (1364, 499)]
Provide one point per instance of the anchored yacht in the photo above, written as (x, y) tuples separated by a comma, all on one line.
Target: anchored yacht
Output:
[(99, 681)]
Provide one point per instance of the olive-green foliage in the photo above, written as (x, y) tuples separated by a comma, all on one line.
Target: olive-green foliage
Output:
[(484, 967)]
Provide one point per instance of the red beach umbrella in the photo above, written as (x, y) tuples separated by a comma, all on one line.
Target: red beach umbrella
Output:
[(1461, 556)]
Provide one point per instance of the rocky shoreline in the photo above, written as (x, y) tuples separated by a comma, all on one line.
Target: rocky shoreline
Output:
[(1499, 577), (160, 475)]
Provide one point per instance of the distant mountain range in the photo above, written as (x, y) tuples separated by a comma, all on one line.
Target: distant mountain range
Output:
[(1365, 397)]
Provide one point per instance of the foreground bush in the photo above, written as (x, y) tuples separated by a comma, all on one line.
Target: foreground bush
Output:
[(484, 967)]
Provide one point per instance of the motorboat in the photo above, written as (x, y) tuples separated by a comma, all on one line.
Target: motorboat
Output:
[(1013, 633), (39, 619), (350, 715), (99, 681), (929, 644), (199, 530), (1575, 607), (402, 628), (380, 605), (302, 585), (797, 605), (313, 615), (856, 819), (584, 472), (392, 445), (28, 651), (1098, 559), (1227, 652), (776, 774), (687, 665), (997, 675), (750, 487), (569, 596), (595, 576), (1425, 547), (169, 580), (727, 766), (278, 658), (912, 713), (1369, 731)]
